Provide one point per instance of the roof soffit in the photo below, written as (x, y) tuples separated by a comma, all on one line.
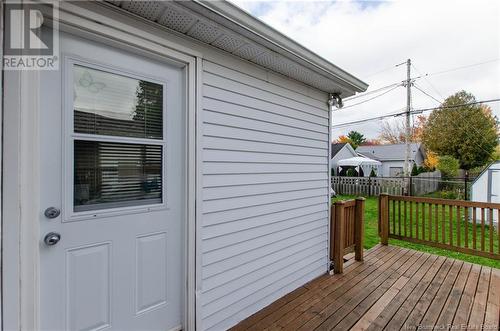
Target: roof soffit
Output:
[(192, 19)]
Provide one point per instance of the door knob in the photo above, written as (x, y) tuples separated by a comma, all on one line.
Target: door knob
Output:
[(52, 238)]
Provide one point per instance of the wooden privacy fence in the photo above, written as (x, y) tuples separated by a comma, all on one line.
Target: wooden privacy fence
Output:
[(462, 226), (368, 186), (346, 235)]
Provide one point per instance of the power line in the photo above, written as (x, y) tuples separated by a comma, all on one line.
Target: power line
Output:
[(414, 111), (372, 98), (427, 94), (366, 119), (454, 106), (371, 92), (380, 71), (428, 82), (456, 68)]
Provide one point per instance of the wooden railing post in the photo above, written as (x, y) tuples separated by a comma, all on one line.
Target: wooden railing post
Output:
[(359, 220), (384, 218), (338, 242)]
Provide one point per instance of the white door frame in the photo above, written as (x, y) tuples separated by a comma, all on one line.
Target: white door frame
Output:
[(20, 221)]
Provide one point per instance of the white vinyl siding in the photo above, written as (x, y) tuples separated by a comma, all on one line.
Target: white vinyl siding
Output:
[(264, 228)]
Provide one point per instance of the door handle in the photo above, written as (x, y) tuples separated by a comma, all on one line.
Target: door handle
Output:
[(52, 238)]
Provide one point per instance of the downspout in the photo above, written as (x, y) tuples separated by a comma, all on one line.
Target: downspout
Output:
[(333, 101)]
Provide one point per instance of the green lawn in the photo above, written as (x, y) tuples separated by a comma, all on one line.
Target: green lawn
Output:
[(372, 238)]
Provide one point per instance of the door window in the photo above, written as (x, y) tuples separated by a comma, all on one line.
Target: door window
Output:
[(118, 140)]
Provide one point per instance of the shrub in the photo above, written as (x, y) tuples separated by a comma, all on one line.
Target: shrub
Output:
[(448, 166), (452, 195), (414, 170), (351, 172)]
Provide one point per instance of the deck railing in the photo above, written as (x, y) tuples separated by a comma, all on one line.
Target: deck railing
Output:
[(462, 226), (346, 235)]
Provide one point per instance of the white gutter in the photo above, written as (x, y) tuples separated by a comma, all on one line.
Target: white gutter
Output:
[(285, 45)]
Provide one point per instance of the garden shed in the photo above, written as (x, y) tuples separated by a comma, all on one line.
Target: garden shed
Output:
[(486, 186)]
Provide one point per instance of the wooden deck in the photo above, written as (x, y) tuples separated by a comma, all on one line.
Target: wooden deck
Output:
[(393, 289)]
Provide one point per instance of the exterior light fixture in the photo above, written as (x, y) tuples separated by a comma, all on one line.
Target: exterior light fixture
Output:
[(335, 100)]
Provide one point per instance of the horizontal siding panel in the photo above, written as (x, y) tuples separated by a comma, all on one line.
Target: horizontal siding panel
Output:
[(215, 130), (239, 156), (255, 124), (213, 206), (265, 193), (213, 193), (217, 255), (318, 101), (260, 253), (217, 168), (245, 91), (307, 267), (288, 286), (245, 179), (243, 213), (260, 147), (214, 287), (260, 221), (283, 116), (268, 275), (256, 232)]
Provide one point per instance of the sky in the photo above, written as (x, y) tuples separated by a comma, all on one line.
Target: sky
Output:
[(369, 38)]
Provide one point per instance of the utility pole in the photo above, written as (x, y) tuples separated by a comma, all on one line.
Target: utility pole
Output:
[(407, 171)]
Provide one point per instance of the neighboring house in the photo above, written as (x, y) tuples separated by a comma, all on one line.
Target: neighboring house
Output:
[(340, 151), (171, 174), (393, 157), (486, 187)]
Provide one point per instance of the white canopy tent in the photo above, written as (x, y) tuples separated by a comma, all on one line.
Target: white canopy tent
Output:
[(366, 164)]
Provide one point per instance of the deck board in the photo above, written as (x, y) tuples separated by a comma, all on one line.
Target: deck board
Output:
[(394, 288)]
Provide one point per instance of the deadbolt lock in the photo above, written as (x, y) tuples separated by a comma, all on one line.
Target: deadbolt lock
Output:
[(52, 212)]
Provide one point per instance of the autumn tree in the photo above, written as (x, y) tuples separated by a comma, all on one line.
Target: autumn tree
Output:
[(431, 160), (371, 142), (463, 130), (394, 132), (343, 139)]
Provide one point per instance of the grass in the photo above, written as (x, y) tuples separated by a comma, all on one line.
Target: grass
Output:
[(372, 238)]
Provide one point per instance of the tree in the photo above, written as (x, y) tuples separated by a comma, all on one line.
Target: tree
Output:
[(468, 132), (394, 132), (356, 138), (371, 142), (496, 154), (448, 166), (414, 170), (343, 139), (431, 161)]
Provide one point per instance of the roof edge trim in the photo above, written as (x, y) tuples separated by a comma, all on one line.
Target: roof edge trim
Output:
[(262, 30)]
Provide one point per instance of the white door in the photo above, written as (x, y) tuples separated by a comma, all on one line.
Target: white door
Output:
[(113, 162)]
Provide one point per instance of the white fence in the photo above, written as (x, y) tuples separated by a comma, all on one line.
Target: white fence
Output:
[(368, 186), (422, 184)]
